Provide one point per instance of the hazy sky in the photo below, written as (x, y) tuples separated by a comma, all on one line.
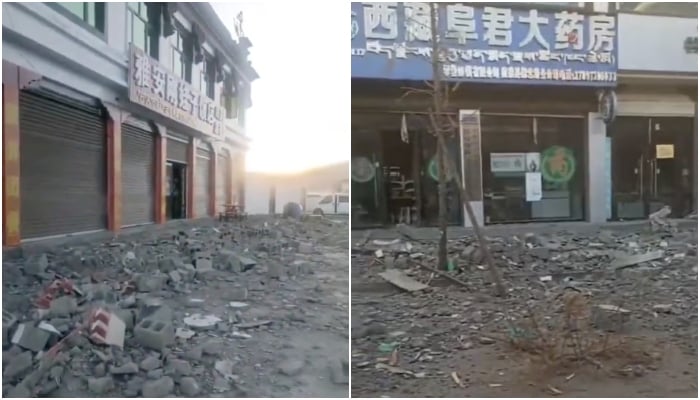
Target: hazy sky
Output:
[(290, 130)]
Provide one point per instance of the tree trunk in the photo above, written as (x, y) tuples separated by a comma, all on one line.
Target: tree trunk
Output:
[(437, 128)]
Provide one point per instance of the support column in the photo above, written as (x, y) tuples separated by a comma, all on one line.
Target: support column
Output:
[(10, 156), (240, 189), (191, 160), (115, 118), (161, 155), (232, 197), (596, 184), (213, 190)]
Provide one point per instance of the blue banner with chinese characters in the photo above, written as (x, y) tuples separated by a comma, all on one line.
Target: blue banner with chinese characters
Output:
[(484, 44)]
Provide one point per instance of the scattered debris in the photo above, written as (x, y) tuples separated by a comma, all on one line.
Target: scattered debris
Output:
[(397, 370), (202, 322), (457, 379), (150, 313), (401, 280), (581, 308), (628, 261)]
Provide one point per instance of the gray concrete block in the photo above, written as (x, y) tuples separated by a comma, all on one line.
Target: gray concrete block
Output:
[(158, 388), (244, 264), (151, 283), (8, 322), (274, 270), (128, 316), (189, 387), (204, 268), (306, 248), (100, 385), (17, 366), (238, 294), (154, 334), (63, 306), (31, 337)]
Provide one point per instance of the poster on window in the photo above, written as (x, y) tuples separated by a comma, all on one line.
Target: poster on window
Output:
[(533, 186), (532, 162), (507, 162)]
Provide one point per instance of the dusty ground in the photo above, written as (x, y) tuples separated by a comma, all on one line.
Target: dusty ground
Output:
[(448, 329), (298, 349)]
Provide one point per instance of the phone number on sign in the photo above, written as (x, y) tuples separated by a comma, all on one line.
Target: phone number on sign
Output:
[(530, 73)]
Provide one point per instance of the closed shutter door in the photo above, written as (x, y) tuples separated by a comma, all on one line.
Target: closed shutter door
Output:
[(177, 151), (652, 104), (222, 180), (138, 175), (63, 177), (201, 191)]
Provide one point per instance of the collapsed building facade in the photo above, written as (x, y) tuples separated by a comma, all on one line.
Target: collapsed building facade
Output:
[(537, 109), (119, 114)]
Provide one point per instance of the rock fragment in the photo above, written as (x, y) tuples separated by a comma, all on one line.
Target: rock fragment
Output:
[(158, 388)]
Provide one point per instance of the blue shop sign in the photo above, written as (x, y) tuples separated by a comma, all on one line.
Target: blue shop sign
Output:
[(484, 44)]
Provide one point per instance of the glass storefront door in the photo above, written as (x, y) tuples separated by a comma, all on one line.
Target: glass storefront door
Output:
[(551, 148), (368, 203), (651, 161)]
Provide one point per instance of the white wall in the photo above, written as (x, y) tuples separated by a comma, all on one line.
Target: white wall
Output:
[(653, 43), (41, 39)]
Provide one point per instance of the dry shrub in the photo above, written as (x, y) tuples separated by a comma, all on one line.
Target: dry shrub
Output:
[(570, 343)]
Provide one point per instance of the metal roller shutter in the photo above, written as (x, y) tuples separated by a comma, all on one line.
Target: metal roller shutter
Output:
[(138, 175), (177, 151), (223, 182), (201, 190), (63, 181)]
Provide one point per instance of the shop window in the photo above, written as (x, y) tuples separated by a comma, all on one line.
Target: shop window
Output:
[(93, 14), (550, 147), (142, 32), (181, 54)]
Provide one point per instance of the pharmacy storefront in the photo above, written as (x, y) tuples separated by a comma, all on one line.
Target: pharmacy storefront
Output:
[(525, 111)]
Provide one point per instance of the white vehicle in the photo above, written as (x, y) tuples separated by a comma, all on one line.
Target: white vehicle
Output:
[(329, 204)]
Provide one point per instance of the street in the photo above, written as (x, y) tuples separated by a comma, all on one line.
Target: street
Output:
[(247, 309), (605, 313)]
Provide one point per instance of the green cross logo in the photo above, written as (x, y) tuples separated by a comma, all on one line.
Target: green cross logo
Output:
[(558, 164)]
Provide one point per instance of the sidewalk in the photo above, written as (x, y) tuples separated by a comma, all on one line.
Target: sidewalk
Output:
[(455, 232)]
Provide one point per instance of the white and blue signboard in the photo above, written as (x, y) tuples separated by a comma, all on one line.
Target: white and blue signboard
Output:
[(484, 44)]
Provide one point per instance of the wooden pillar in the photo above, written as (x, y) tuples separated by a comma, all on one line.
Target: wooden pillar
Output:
[(191, 160), (213, 190), (115, 119), (10, 156), (160, 170)]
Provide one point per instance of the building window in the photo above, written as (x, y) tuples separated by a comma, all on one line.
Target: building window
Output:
[(92, 14), (229, 102), (139, 30), (206, 83), (208, 77), (181, 55)]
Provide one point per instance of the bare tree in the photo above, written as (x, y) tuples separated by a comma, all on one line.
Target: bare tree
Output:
[(442, 127)]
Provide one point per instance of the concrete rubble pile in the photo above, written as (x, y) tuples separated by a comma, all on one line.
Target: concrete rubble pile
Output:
[(153, 315), (652, 274)]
